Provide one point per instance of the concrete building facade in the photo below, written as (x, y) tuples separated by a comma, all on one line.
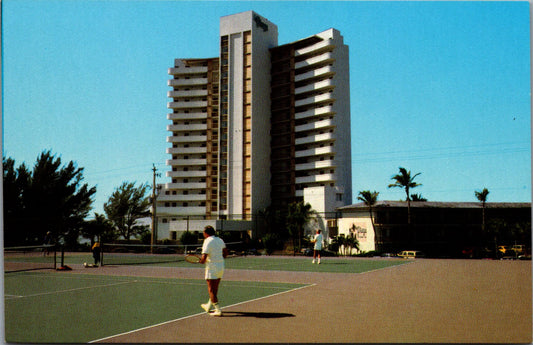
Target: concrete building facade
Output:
[(255, 127), (439, 229)]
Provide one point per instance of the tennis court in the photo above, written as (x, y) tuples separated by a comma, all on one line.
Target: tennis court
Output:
[(275, 299), (88, 304), (77, 308)]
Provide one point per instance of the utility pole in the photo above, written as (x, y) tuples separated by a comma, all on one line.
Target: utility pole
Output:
[(154, 213)]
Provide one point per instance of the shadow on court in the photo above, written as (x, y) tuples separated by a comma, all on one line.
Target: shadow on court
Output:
[(256, 315)]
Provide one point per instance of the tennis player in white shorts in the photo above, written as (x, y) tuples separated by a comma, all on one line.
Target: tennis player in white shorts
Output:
[(213, 253)]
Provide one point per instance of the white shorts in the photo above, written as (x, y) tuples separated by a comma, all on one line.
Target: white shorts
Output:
[(214, 270)]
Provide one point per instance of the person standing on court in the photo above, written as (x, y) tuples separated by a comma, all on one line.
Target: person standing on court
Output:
[(46, 242), (214, 252), (317, 240), (96, 253)]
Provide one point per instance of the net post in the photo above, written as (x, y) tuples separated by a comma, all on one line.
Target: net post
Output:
[(62, 256)]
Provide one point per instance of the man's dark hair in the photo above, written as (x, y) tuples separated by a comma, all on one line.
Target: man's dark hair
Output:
[(209, 230)]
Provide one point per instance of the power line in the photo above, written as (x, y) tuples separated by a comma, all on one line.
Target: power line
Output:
[(439, 153)]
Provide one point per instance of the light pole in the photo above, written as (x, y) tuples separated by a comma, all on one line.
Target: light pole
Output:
[(154, 212)]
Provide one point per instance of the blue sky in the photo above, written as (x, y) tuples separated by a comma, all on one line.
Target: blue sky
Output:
[(440, 88)]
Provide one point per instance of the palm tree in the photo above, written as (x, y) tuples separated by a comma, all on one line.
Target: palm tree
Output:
[(370, 199), (340, 241), (299, 214), (350, 241), (406, 181), (482, 197), (418, 197)]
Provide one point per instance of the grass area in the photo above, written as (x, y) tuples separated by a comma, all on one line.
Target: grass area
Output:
[(51, 307)]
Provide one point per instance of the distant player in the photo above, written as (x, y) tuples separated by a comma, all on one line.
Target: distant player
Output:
[(96, 253), (317, 240), (46, 242), (213, 253)]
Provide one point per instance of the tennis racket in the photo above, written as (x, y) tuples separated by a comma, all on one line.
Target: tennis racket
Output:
[(193, 259)]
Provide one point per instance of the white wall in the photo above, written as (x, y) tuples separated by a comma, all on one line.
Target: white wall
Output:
[(363, 222)]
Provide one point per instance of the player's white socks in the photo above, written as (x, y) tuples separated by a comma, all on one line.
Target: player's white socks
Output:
[(217, 311)]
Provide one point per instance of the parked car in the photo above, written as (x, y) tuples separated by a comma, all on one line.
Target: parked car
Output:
[(518, 248), (411, 254)]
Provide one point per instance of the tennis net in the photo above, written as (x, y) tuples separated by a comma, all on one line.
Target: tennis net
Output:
[(28, 258), (145, 254)]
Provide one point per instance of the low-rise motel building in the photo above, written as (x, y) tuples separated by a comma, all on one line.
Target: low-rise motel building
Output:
[(438, 229)]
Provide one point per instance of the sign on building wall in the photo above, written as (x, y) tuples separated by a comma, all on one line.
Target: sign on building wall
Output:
[(360, 231)]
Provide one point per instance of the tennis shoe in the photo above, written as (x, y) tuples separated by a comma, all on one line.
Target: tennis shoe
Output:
[(206, 307), (313, 261), (217, 312)]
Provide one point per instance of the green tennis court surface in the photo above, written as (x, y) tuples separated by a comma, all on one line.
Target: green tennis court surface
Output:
[(269, 263), (299, 264), (77, 308), (50, 307)]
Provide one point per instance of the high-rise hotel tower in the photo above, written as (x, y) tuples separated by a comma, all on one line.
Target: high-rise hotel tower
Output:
[(261, 125)]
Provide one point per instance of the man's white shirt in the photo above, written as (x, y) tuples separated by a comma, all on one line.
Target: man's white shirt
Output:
[(213, 246), (318, 241)]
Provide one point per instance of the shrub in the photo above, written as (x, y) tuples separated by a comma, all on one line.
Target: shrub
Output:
[(189, 238), (271, 242)]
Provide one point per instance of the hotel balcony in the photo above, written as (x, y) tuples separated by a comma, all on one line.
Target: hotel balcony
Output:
[(187, 139), (324, 84), (186, 162), (182, 70), (317, 125), (323, 58), (322, 45), (186, 93), (187, 116), (187, 150), (326, 110), (180, 211), (315, 165), (186, 105), (186, 185), (187, 128), (316, 179), (187, 174), (319, 151), (320, 72), (186, 82), (315, 138), (181, 197), (316, 99)]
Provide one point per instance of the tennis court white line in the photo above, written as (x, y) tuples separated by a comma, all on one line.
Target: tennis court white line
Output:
[(76, 289), (387, 267), (198, 314), (12, 296)]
